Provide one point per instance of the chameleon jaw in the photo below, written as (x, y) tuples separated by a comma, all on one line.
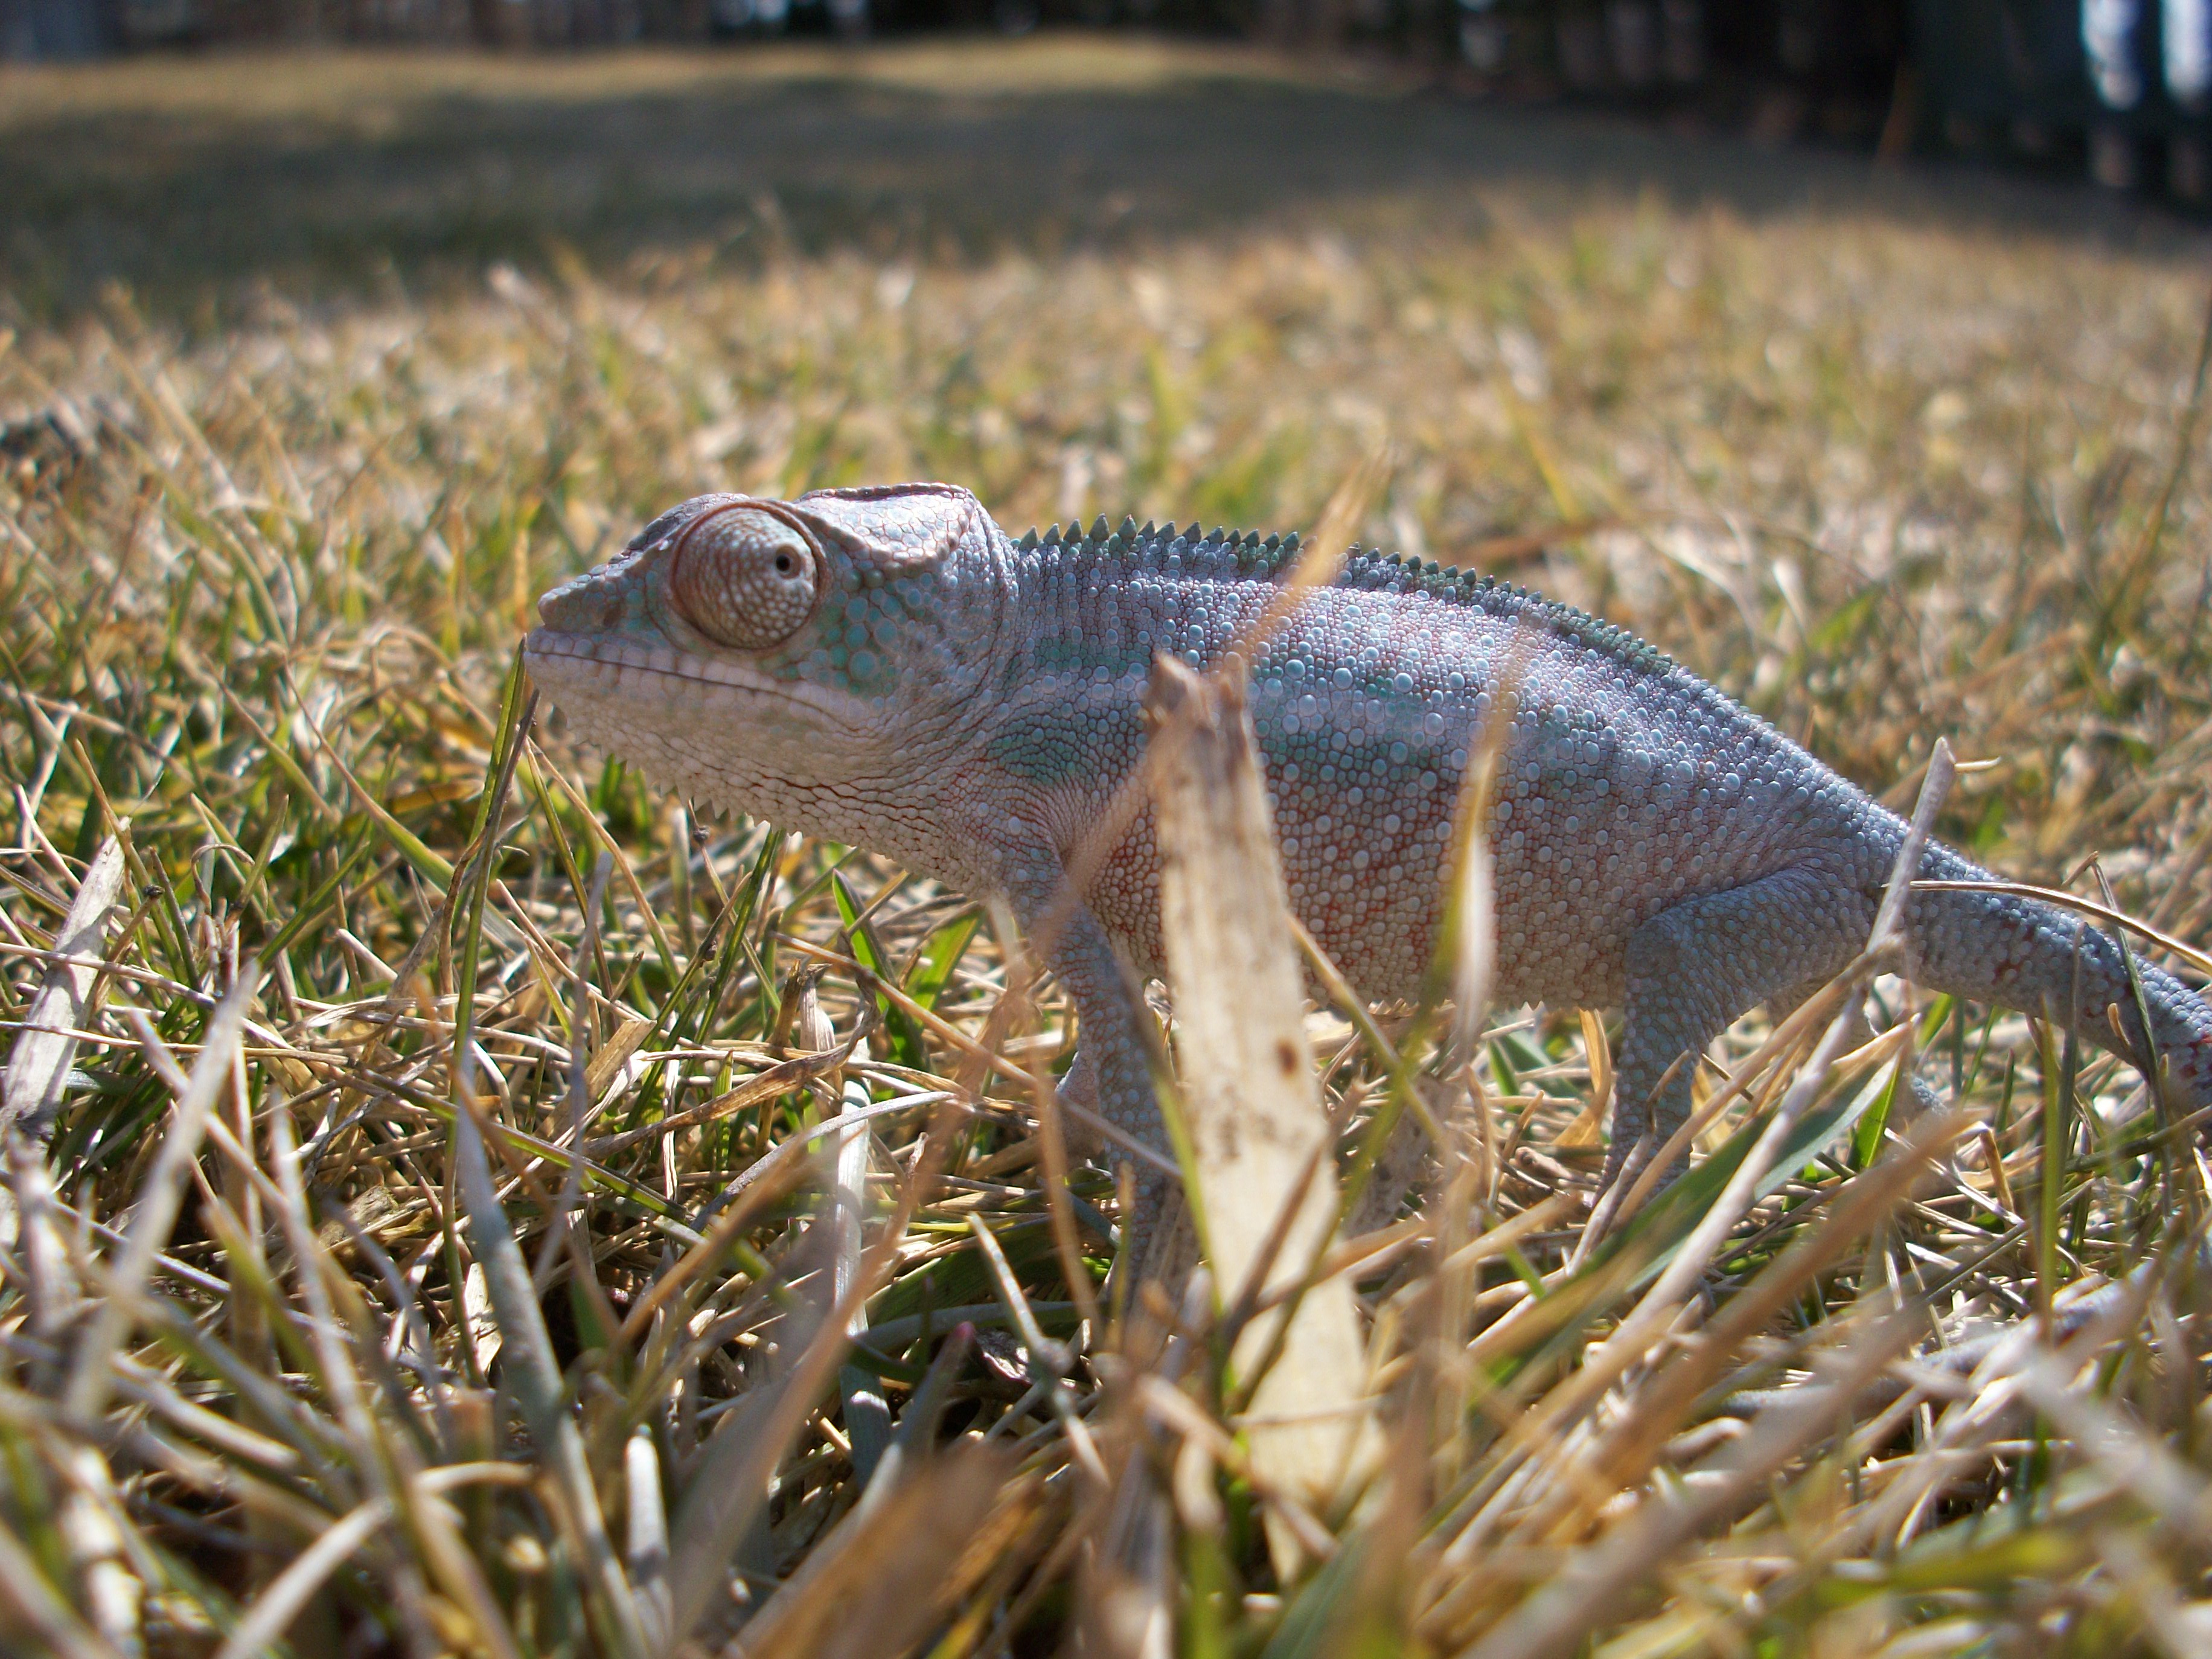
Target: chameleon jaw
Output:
[(588, 673)]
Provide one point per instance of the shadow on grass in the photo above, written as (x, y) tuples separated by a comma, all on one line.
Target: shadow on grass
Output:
[(335, 174)]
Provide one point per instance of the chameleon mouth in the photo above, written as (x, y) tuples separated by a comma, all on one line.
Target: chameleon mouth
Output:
[(595, 668)]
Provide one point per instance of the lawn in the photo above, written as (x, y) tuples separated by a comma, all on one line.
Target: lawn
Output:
[(316, 368)]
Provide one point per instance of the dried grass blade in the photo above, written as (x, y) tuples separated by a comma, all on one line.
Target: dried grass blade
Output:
[(645, 1546), (35, 1605), (1594, 1585), (91, 1519), (730, 1485), (867, 1417), (91, 1375), (918, 1423), (1633, 1443), (534, 1376), (40, 1058), (873, 1588), (1258, 1132), (781, 1079), (2166, 1485), (288, 1592)]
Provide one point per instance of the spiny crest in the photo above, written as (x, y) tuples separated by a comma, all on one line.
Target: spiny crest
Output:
[(1363, 569), (1373, 571)]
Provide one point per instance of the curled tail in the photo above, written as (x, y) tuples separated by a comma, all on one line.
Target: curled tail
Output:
[(2019, 953)]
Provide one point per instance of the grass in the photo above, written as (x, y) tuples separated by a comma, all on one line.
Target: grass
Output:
[(328, 1326)]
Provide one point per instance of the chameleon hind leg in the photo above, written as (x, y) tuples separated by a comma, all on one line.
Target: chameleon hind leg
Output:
[(1692, 970)]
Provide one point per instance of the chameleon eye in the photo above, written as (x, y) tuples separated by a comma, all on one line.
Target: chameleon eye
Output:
[(745, 578)]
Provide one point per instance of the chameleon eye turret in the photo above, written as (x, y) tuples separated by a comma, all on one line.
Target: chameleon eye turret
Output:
[(745, 578)]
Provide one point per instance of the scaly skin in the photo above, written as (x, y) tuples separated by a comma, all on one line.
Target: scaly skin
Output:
[(886, 668)]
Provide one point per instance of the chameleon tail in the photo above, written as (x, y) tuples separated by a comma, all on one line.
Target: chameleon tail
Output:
[(2021, 953)]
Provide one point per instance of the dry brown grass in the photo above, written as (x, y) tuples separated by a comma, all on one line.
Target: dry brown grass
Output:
[(405, 339)]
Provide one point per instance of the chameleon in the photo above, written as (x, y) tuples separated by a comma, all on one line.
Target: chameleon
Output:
[(887, 667)]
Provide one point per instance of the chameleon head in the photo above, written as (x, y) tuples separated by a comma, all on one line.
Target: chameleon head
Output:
[(743, 649)]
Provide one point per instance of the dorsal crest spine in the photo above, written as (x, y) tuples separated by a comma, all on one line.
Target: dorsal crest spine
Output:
[(1254, 557)]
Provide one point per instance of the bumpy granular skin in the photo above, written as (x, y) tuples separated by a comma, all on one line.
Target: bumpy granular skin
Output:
[(968, 705)]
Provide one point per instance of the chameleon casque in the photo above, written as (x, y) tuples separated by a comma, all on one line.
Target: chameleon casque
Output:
[(886, 668)]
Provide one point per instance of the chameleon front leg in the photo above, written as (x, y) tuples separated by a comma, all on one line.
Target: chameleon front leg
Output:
[(1696, 966), (1111, 1074)]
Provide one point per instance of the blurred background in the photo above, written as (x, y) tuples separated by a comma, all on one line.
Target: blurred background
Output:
[(2119, 88)]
